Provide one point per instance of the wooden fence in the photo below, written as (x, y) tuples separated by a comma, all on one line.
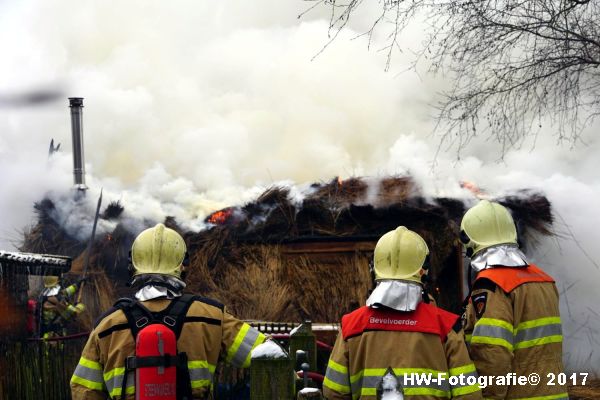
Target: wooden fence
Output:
[(38, 370)]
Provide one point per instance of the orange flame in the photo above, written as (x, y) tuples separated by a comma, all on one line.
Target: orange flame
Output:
[(473, 188), (109, 237), (220, 217)]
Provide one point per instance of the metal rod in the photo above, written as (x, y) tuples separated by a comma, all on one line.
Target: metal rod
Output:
[(89, 248)]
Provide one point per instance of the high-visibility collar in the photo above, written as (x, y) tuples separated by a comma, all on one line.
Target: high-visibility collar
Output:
[(426, 318), (510, 278)]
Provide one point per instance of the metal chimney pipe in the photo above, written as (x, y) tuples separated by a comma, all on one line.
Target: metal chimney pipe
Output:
[(76, 105)]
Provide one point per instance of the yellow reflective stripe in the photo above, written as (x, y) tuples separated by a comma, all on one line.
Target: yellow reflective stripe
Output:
[(397, 372), (200, 383), (336, 386), (337, 367), (461, 391), (495, 322), (465, 369), (118, 391), (539, 342), (468, 337), (88, 384), (259, 339), (71, 290), (410, 392), (110, 374), (537, 322), (422, 391), (369, 391), (550, 397), (201, 364), (90, 364), (237, 342), (493, 341), (356, 377)]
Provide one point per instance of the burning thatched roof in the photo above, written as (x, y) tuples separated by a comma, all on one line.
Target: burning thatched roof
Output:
[(356, 208), (243, 256)]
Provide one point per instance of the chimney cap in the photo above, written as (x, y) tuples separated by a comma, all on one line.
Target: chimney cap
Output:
[(75, 101)]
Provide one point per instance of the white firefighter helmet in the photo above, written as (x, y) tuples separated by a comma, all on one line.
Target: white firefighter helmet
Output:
[(158, 250), (400, 254), (487, 224)]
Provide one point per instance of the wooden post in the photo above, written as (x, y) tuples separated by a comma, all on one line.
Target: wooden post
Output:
[(271, 373), (303, 338), (310, 393)]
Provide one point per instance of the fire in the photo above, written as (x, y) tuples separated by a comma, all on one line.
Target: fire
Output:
[(220, 217), (109, 237), (473, 188)]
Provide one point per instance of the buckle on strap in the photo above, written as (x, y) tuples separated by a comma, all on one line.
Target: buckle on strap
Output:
[(141, 322), (130, 363), (170, 321)]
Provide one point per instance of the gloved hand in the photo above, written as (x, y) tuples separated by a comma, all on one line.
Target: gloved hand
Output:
[(73, 310)]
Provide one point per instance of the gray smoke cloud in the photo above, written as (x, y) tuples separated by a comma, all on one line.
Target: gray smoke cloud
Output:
[(200, 105)]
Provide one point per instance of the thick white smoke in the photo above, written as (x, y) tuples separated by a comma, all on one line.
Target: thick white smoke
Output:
[(199, 105)]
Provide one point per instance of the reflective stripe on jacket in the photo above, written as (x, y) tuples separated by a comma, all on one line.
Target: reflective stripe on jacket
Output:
[(209, 331), (422, 344), (513, 325)]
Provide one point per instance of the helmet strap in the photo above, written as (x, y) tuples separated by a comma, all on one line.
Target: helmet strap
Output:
[(426, 298), (469, 253)]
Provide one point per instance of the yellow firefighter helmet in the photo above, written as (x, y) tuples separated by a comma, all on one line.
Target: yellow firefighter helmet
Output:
[(158, 250), (50, 281), (487, 224), (400, 254)]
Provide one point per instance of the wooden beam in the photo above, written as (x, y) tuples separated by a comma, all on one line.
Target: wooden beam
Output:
[(327, 247)]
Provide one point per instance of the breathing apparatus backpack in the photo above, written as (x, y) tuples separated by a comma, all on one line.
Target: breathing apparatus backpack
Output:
[(161, 372)]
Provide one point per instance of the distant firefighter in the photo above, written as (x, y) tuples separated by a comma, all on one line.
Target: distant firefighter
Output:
[(387, 348), (163, 343), (57, 306), (512, 318)]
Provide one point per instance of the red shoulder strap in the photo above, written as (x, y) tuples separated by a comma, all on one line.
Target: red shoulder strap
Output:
[(510, 278), (426, 319)]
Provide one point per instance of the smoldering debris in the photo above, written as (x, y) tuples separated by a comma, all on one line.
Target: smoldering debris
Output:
[(281, 257)]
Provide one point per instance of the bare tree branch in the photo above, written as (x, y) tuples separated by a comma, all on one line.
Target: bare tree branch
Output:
[(515, 62)]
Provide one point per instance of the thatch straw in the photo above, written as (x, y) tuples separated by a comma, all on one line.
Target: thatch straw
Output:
[(240, 260), (259, 282)]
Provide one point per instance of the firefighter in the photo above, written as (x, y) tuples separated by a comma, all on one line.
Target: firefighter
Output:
[(57, 306), (204, 330), (400, 332), (512, 320)]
